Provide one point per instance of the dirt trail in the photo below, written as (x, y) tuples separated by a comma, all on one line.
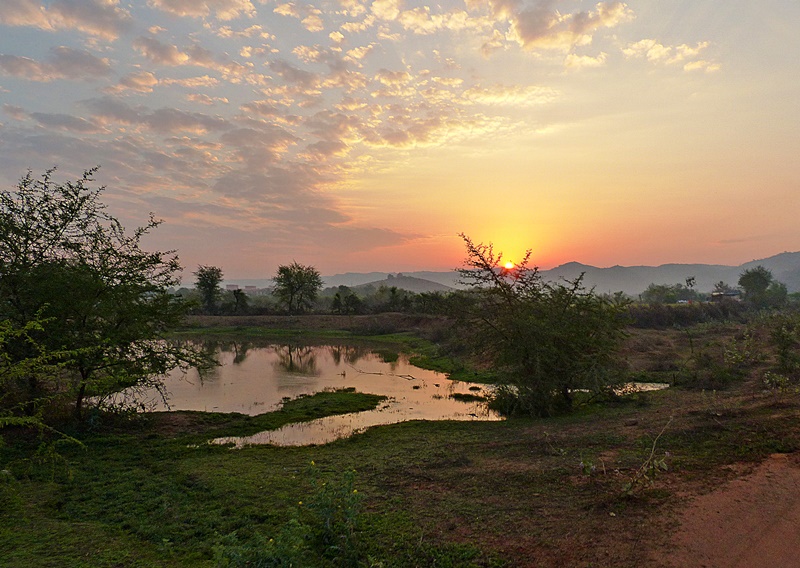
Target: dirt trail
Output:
[(750, 522)]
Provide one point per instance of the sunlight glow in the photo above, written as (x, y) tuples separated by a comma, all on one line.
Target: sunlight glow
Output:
[(509, 265)]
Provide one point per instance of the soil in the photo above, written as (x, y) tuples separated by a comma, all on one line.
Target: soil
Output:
[(752, 521)]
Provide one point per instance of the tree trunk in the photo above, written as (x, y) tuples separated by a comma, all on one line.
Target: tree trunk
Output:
[(79, 400)]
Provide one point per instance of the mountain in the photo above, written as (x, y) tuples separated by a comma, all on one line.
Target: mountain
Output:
[(410, 283), (632, 280)]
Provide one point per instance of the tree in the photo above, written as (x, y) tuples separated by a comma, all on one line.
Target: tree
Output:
[(670, 293), (760, 288), (84, 289), (545, 340), (297, 286), (345, 302), (208, 279), (660, 294), (240, 301)]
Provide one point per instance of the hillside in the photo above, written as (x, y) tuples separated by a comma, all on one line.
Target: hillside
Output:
[(410, 283), (632, 280)]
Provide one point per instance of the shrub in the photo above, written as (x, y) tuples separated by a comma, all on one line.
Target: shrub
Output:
[(544, 340)]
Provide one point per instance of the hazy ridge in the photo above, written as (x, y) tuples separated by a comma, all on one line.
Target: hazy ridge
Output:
[(631, 280)]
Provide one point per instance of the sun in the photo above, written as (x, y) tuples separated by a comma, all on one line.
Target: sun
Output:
[(509, 265)]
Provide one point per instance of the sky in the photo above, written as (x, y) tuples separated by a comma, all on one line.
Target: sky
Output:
[(366, 135)]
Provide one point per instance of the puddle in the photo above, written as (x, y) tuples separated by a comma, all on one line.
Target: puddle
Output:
[(257, 379)]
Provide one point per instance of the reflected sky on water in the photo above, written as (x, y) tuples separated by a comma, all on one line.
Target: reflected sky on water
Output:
[(256, 379)]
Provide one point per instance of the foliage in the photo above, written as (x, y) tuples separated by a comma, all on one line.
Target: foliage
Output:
[(661, 316), (545, 340), (776, 382), (240, 301), (322, 531), (155, 494), (761, 289), (670, 293), (652, 466), (743, 352), (346, 302), (722, 287), (93, 295), (785, 337), (297, 286), (208, 279)]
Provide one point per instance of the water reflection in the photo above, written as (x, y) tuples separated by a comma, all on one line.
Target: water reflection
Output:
[(255, 378), (297, 360)]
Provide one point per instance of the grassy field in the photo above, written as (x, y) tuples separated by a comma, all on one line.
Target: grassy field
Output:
[(599, 487)]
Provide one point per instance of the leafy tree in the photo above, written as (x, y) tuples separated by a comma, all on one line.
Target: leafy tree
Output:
[(660, 294), (297, 286), (760, 288), (669, 293), (83, 288), (208, 279), (345, 302), (545, 340), (240, 301)]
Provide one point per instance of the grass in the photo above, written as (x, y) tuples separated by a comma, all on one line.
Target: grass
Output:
[(524, 492)]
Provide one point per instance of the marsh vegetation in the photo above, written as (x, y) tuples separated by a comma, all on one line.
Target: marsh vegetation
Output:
[(581, 473)]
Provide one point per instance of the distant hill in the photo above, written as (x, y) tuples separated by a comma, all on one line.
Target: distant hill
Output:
[(352, 279), (410, 283), (632, 280)]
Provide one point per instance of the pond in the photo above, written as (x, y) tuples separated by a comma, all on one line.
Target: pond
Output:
[(253, 379)]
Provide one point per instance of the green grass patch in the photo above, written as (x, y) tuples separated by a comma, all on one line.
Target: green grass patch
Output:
[(151, 492)]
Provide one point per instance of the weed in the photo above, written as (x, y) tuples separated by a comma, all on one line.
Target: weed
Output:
[(775, 381), (645, 476), (467, 397), (784, 336), (717, 406), (743, 353), (323, 530)]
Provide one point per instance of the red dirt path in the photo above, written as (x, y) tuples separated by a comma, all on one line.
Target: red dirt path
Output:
[(750, 522)]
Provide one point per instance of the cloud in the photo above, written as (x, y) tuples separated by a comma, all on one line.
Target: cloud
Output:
[(66, 122), (309, 16), (687, 56), (421, 21), (267, 136), (15, 112), (160, 53), (358, 53), (544, 27), (250, 32), (510, 95), (325, 149), (61, 63), (574, 61), (109, 110), (25, 13), (223, 9), (169, 55), (265, 108), (139, 81), (174, 120), (294, 75), (204, 99), (193, 82), (99, 18), (386, 9)]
